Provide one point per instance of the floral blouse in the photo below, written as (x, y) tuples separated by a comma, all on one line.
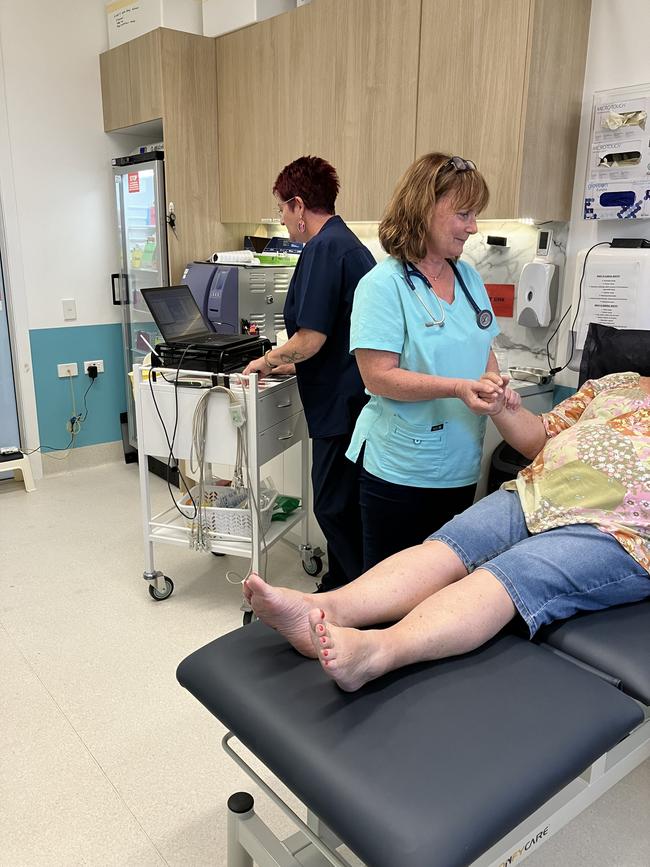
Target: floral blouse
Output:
[(595, 466)]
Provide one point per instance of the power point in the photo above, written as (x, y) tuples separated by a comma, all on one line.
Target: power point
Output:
[(99, 364), (92, 371)]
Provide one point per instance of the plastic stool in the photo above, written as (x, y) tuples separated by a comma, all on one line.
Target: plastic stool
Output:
[(22, 465)]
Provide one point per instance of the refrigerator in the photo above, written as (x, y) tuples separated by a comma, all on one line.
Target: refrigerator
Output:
[(142, 238)]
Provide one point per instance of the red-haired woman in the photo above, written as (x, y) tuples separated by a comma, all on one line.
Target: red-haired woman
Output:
[(317, 316)]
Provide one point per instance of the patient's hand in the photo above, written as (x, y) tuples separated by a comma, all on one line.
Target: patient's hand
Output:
[(508, 398)]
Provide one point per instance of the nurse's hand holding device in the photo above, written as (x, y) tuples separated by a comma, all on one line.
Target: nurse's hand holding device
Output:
[(422, 331)]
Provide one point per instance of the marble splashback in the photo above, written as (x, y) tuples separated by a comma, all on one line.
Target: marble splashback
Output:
[(524, 346)]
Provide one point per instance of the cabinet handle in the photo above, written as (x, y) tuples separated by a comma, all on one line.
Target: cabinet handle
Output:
[(116, 297), (283, 405), (286, 437)]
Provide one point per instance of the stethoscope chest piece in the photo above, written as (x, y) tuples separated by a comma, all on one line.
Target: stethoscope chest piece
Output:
[(484, 318)]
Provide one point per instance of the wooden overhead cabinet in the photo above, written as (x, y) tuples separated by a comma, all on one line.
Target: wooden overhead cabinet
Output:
[(500, 82), (332, 78), (131, 77), (169, 75)]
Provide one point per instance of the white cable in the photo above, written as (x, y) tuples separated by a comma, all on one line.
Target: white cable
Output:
[(200, 534)]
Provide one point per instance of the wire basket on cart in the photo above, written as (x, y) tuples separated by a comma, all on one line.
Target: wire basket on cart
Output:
[(227, 513)]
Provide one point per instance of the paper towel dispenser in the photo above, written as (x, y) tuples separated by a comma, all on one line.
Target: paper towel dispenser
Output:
[(537, 294)]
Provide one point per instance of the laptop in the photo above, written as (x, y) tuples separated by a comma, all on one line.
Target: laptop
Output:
[(181, 322)]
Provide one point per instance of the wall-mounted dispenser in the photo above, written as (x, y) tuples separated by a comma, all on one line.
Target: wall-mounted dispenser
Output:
[(537, 294)]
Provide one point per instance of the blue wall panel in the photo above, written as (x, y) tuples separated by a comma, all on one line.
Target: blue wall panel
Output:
[(105, 400)]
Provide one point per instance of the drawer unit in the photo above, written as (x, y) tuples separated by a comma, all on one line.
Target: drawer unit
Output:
[(280, 436), (280, 402)]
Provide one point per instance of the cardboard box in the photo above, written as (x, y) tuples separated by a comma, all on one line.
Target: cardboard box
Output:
[(127, 19), (223, 16)]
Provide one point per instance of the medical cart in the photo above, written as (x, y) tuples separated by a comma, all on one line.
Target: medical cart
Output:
[(273, 420)]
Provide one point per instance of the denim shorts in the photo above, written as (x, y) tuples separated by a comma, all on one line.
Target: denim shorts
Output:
[(549, 576)]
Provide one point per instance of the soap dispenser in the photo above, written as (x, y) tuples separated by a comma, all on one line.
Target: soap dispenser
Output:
[(537, 294)]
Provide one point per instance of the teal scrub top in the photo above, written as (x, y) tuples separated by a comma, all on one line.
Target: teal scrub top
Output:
[(432, 443)]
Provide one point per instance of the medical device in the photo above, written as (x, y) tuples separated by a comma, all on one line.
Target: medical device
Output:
[(483, 317), (234, 298)]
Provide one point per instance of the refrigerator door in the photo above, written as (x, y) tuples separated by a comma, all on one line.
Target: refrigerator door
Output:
[(140, 201)]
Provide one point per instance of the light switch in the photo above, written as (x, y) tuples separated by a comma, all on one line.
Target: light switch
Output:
[(69, 308)]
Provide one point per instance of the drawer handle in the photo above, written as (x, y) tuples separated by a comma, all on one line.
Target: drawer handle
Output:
[(283, 405), (286, 437)]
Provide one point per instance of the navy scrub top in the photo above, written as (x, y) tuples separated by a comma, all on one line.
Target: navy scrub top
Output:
[(320, 298)]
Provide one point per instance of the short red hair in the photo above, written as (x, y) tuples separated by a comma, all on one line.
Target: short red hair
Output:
[(311, 178)]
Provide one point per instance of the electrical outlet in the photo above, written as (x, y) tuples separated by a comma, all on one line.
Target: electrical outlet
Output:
[(69, 369), (98, 364)]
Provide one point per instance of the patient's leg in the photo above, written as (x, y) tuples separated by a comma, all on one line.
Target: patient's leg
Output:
[(385, 593), (457, 619)]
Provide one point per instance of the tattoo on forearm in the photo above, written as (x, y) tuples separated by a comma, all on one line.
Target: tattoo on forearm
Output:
[(291, 357)]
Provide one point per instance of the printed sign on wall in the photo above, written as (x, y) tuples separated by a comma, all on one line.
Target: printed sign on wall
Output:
[(502, 298)]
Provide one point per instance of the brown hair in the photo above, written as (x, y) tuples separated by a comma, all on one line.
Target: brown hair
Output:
[(404, 228)]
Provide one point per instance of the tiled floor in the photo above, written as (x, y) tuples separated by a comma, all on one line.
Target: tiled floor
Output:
[(104, 759)]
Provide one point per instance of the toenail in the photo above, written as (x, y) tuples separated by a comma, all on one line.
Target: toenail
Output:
[(320, 627), (323, 640), (325, 652)]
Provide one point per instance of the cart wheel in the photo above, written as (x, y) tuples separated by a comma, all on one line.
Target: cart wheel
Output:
[(248, 617), (157, 595), (313, 566)]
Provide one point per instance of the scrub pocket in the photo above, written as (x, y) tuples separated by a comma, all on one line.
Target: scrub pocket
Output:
[(414, 450)]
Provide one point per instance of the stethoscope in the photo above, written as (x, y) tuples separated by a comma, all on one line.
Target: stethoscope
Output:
[(483, 317)]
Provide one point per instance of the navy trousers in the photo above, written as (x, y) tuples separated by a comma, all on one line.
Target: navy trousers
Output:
[(335, 482)]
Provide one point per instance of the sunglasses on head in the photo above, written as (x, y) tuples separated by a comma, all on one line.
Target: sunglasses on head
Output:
[(460, 165)]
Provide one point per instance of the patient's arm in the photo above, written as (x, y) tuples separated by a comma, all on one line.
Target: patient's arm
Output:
[(522, 430)]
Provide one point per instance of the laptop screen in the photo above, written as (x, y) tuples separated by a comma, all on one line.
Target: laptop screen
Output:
[(175, 311)]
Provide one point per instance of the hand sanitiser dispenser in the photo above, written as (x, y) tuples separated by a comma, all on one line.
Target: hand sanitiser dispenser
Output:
[(537, 294)]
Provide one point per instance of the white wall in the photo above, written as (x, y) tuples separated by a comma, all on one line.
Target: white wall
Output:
[(617, 57), (60, 158), (55, 176)]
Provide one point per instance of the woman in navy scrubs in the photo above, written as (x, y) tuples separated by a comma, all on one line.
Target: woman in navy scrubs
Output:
[(317, 316)]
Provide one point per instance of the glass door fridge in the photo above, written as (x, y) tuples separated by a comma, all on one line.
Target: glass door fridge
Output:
[(141, 229)]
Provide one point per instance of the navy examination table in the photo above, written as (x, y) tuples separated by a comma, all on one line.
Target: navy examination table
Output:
[(477, 759)]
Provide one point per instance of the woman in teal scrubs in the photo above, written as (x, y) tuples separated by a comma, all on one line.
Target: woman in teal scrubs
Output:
[(422, 330)]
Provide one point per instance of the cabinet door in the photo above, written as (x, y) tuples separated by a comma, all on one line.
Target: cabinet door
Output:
[(473, 56), (146, 77), (560, 33), (131, 82), (332, 79), (252, 111), (190, 133), (116, 88), (359, 96)]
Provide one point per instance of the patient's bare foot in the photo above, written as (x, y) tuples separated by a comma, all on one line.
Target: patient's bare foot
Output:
[(282, 609), (351, 657)]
